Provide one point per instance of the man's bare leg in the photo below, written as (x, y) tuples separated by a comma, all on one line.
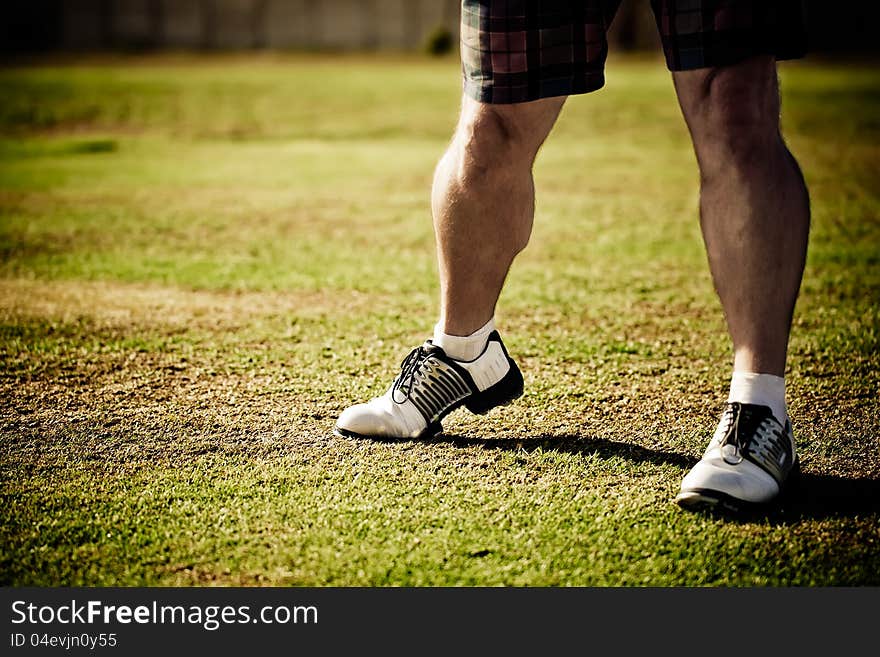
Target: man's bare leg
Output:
[(483, 202), (755, 215), (754, 207)]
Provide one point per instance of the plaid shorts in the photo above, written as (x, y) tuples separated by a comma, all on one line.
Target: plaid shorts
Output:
[(514, 51)]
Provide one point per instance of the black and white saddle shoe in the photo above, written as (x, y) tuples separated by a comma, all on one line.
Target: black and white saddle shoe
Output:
[(429, 387), (749, 463)]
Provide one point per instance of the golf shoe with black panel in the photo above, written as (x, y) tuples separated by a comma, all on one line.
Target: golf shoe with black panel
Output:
[(431, 385), (751, 461)]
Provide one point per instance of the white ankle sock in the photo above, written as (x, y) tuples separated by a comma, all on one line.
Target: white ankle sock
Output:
[(466, 347), (763, 389)]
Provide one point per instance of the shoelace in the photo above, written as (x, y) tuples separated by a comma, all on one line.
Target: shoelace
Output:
[(409, 368), (741, 441), (731, 435)]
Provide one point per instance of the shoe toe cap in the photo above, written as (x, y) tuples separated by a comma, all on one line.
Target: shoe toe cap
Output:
[(370, 421), (743, 481), (361, 419)]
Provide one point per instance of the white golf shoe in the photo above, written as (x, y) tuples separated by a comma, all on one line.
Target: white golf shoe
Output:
[(429, 387), (748, 464)]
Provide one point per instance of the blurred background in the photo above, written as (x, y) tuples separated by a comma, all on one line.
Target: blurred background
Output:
[(34, 26), (216, 233)]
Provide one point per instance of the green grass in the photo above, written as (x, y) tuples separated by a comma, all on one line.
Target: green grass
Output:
[(204, 260)]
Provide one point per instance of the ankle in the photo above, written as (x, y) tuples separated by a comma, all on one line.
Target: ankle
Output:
[(762, 389), (463, 347)]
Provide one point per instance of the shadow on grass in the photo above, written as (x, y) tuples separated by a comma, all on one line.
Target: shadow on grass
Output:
[(815, 496), (600, 447)]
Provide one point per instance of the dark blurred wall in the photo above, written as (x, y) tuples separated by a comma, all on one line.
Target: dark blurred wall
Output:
[(30, 26), (41, 25), (47, 25)]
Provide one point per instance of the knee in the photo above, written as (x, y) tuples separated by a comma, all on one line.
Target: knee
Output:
[(491, 144), (734, 117)]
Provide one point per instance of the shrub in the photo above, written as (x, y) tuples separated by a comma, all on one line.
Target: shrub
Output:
[(439, 41)]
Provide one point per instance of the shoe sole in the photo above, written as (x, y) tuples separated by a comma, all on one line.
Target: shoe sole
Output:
[(709, 500), (506, 391), (430, 431)]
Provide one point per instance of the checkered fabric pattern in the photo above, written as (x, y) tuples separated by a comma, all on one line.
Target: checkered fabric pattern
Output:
[(519, 50)]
